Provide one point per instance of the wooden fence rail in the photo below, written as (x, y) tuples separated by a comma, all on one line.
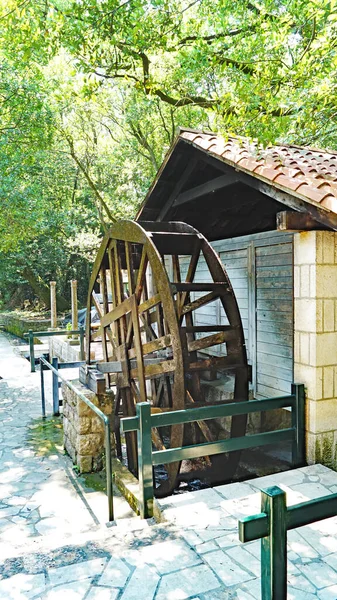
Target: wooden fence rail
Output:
[(143, 422), (271, 526)]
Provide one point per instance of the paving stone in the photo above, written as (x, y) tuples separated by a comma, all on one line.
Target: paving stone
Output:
[(142, 585), (319, 574), (254, 548), (100, 593), (244, 558), (207, 547), (115, 574), (298, 544), (322, 544), (301, 583), (331, 560), (69, 591), (253, 587), (165, 556), (242, 507), (229, 540), (16, 501), (328, 593), (219, 594), (311, 490), (12, 475), (186, 583), (294, 594), (9, 511), (227, 570), (21, 586), (208, 498), (191, 537), (77, 571), (242, 595), (235, 490)]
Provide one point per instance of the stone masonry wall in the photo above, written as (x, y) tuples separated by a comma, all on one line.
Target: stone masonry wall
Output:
[(83, 429), (64, 349), (315, 327), (18, 325)]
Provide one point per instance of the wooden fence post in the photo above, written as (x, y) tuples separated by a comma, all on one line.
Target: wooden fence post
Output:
[(31, 351), (145, 476), (274, 546), (298, 422)]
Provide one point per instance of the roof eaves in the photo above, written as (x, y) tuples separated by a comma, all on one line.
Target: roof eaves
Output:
[(268, 182)]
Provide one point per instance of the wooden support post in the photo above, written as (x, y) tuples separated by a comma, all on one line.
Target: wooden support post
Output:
[(74, 307), (145, 476), (82, 352), (53, 311), (298, 423), (274, 546), (55, 387), (31, 351)]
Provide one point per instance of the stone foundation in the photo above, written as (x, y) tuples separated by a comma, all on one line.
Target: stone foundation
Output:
[(65, 349), (315, 291), (83, 429), (18, 324)]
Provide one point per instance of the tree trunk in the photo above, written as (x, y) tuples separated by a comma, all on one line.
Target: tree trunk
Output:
[(42, 291)]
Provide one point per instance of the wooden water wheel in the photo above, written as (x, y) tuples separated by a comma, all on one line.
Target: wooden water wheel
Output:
[(154, 341)]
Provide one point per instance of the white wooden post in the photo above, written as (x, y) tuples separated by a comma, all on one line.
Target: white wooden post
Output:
[(53, 311), (74, 308)]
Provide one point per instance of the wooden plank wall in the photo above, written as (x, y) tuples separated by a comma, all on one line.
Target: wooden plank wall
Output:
[(260, 268), (265, 299)]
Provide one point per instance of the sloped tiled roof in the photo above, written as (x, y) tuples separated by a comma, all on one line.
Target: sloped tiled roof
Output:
[(308, 173)]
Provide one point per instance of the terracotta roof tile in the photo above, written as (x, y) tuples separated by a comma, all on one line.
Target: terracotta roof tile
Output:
[(307, 172), (330, 202)]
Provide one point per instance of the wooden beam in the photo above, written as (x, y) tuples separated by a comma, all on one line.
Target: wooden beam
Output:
[(185, 176), (290, 199), (205, 188), (297, 221)]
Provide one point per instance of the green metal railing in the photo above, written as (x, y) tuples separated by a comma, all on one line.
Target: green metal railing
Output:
[(38, 334), (98, 412), (271, 526), (55, 382), (143, 422)]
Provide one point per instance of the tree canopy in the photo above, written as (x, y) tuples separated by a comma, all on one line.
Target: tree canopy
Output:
[(91, 93)]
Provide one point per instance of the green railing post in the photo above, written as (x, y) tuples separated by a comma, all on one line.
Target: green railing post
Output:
[(43, 399), (55, 387), (298, 424), (81, 328), (108, 468), (31, 351), (274, 546), (145, 475)]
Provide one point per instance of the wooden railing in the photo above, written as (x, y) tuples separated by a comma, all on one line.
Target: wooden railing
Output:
[(271, 526), (143, 422)]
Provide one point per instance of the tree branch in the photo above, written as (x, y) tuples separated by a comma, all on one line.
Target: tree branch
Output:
[(98, 196)]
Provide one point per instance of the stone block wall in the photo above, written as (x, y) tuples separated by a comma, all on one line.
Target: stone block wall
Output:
[(18, 324), (315, 339), (65, 349), (83, 429)]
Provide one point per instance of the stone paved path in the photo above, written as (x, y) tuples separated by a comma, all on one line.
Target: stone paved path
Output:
[(54, 543)]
